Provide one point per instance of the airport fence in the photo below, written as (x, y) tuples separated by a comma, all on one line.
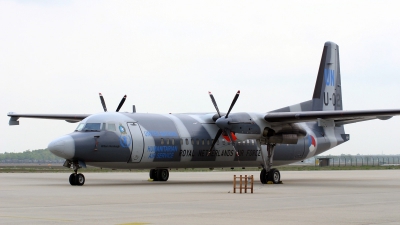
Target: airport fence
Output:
[(357, 160)]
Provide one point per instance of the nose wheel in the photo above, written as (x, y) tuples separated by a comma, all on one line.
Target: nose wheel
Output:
[(76, 179)]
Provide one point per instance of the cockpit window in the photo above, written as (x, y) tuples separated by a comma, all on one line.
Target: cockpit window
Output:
[(80, 127), (111, 127), (92, 127)]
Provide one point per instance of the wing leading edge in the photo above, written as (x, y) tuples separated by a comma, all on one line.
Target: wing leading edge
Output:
[(71, 118)]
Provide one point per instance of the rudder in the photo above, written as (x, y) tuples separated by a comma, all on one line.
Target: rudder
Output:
[(328, 90)]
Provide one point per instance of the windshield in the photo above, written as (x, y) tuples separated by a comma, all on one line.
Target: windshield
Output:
[(80, 127), (88, 127)]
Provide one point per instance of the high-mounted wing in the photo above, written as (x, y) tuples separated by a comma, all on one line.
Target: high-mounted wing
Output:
[(71, 118), (338, 117)]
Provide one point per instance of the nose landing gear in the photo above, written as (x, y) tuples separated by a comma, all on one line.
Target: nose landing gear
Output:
[(75, 178)]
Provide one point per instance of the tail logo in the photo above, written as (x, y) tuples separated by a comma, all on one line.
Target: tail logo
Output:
[(311, 143), (329, 77)]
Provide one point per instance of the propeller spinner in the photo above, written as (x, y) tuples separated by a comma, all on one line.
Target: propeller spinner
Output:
[(223, 123)]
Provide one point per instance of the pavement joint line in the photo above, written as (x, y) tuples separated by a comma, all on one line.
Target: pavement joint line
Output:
[(37, 218)]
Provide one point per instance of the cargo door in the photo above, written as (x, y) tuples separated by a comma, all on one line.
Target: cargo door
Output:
[(137, 142)]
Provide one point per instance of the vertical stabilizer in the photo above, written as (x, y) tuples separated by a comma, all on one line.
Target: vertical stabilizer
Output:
[(328, 91)]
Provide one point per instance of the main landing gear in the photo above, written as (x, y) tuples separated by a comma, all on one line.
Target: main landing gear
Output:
[(159, 174), (273, 175), (267, 174)]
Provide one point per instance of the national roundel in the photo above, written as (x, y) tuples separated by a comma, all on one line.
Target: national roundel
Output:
[(311, 143)]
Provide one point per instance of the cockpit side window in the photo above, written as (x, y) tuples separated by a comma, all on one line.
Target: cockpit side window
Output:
[(92, 127), (80, 127), (111, 127)]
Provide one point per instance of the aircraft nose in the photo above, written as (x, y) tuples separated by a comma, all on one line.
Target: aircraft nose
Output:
[(63, 147)]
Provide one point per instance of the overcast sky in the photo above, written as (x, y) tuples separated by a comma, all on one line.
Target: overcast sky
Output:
[(56, 56)]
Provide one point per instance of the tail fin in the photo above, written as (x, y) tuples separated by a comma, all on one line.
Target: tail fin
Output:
[(328, 89)]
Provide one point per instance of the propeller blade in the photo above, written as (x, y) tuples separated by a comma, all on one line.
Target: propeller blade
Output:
[(233, 142), (121, 103), (215, 103), (103, 103), (215, 140), (233, 103)]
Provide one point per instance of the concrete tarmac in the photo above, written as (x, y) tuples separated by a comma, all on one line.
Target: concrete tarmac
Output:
[(305, 197)]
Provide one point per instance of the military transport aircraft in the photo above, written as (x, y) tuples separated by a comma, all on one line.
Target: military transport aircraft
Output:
[(160, 142)]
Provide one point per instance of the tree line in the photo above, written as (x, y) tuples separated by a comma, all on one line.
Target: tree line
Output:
[(28, 156)]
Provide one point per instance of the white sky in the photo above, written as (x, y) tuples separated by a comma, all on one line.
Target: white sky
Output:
[(56, 56)]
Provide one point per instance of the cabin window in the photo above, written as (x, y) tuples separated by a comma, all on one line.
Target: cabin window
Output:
[(187, 141), (192, 141), (181, 141), (208, 141), (167, 141), (197, 142), (162, 141), (173, 141)]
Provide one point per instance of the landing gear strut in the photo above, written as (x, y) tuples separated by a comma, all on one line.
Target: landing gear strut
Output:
[(75, 178), (159, 174), (268, 174)]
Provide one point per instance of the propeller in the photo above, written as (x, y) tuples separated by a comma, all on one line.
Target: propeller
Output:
[(121, 103), (223, 123), (103, 103)]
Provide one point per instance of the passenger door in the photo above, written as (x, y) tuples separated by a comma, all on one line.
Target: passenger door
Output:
[(137, 142)]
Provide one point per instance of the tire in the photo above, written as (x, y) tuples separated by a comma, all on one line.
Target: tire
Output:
[(275, 176), (80, 179), (72, 179), (152, 174), (162, 174), (263, 176)]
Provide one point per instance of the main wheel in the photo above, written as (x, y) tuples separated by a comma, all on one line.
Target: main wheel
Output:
[(162, 174), (275, 176), (263, 176), (80, 179), (72, 179), (153, 174)]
